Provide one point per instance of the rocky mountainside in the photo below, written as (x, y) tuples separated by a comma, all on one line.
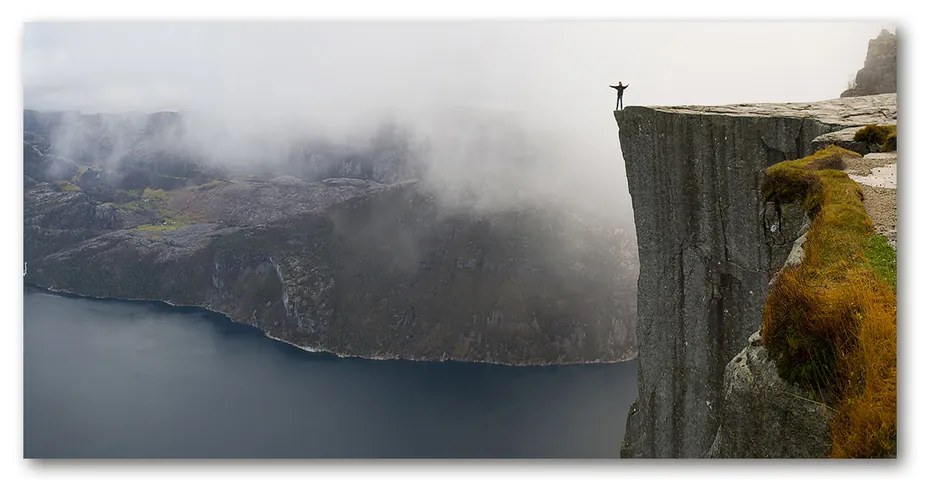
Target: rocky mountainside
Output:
[(167, 150), (708, 247), (880, 73), (348, 266), (106, 153)]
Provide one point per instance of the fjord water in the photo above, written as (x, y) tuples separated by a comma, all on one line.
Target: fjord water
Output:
[(114, 379)]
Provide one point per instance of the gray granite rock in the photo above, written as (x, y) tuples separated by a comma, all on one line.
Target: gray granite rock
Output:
[(708, 247), (765, 417), (844, 138)]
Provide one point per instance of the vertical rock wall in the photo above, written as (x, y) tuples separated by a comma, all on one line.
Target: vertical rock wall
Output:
[(708, 246)]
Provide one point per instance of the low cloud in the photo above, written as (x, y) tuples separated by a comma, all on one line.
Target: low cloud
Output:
[(494, 114)]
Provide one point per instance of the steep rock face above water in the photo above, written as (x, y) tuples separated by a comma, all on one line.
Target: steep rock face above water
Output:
[(708, 247), (328, 246), (351, 267), (880, 73)]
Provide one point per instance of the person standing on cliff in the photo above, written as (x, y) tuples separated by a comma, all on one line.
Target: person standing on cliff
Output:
[(619, 87)]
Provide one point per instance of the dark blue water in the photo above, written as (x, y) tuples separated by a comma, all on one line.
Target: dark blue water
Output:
[(112, 379)]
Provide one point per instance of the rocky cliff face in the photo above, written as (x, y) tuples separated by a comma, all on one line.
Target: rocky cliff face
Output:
[(708, 247), (764, 416), (880, 73), (348, 266)]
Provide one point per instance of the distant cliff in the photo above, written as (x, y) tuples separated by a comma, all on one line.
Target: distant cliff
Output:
[(342, 265), (880, 73), (708, 246)]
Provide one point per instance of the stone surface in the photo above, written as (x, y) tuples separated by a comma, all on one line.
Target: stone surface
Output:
[(761, 415), (885, 177), (708, 247), (877, 175), (838, 113), (880, 73), (797, 251), (765, 417), (844, 138)]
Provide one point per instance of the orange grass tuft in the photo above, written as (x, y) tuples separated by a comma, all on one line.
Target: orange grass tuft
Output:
[(830, 322)]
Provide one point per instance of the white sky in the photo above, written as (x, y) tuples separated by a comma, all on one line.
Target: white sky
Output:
[(549, 79), (351, 67)]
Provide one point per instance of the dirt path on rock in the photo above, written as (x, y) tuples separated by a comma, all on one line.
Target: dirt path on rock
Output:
[(877, 175)]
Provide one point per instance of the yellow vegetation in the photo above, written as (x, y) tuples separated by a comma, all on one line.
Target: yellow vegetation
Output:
[(830, 322)]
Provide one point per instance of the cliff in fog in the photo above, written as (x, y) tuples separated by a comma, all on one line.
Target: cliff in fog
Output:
[(879, 74), (708, 247), (346, 256)]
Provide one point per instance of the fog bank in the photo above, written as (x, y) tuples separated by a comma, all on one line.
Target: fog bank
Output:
[(496, 112)]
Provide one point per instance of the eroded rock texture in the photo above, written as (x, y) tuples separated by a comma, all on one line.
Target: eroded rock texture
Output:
[(708, 247)]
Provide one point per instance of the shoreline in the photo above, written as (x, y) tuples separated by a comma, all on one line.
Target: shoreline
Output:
[(70, 294)]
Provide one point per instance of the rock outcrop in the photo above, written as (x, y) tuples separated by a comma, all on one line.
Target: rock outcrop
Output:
[(764, 416), (844, 138), (708, 247), (880, 73)]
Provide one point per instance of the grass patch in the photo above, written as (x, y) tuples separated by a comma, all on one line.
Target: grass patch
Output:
[(891, 141), (68, 187), (883, 259), (830, 322), (153, 203), (167, 224), (799, 180), (884, 136), (155, 194)]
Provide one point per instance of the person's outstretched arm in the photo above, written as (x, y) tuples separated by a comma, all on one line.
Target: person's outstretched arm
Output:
[(627, 85)]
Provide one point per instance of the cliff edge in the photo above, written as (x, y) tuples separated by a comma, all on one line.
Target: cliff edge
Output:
[(708, 247)]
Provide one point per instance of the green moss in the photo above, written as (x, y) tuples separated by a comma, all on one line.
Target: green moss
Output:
[(148, 201), (168, 224), (68, 187), (891, 141), (136, 206), (794, 180), (886, 136), (154, 204), (883, 259)]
